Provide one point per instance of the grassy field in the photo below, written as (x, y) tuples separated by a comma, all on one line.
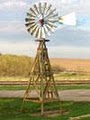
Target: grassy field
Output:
[(57, 76), (72, 76), (65, 69), (13, 78), (10, 110), (78, 65), (59, 87), (19, 67)]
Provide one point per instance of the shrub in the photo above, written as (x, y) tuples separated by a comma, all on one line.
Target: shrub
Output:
[(12, 65)]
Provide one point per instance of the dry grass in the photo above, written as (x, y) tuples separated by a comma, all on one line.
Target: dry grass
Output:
[(78, 65)]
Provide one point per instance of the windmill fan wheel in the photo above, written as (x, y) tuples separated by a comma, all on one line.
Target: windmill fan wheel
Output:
[(41, 20)]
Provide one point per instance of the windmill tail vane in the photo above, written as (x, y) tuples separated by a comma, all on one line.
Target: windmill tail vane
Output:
[(69, 19)]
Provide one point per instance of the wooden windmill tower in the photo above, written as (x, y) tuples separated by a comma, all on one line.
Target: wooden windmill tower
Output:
[(41, 21)]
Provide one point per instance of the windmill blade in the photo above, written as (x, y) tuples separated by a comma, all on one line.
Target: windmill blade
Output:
[(52, 16), (46, 30), (52, 20), (43, 32), (30, 15), (36, 31), (49, 28), (48, 9), (50, 13), (33, 30), (69, 19), (40, 32), (40, 7), (51, 25), (29, 19), (36, 8), (44, 7), (33, 11), (28, 29), (30, 24)]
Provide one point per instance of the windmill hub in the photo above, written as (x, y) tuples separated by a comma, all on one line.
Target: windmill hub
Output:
[(41, 21)]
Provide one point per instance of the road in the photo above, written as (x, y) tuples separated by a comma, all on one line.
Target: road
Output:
[(65, 95)]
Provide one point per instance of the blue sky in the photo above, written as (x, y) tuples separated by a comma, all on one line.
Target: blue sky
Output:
[(66, 41)]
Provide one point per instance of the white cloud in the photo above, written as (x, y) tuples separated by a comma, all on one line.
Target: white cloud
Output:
[(81, 7), (66, 6), (13, 4), (29, 48), (69, 52), (24, 48), (12, 27), (70, 1), (63, 6)]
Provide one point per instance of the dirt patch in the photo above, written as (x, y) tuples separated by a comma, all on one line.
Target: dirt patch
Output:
[(80, 117)]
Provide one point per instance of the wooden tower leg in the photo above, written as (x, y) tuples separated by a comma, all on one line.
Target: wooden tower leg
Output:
[(42, 78)]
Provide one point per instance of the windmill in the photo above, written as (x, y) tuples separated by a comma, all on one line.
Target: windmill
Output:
[(41, 21)]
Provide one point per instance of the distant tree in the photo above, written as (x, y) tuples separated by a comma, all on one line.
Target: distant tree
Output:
[(12, 65)]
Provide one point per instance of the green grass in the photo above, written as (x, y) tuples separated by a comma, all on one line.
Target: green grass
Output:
[(12, 87), (10, 110), (59, 87), (85, 118), (71, 87)]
